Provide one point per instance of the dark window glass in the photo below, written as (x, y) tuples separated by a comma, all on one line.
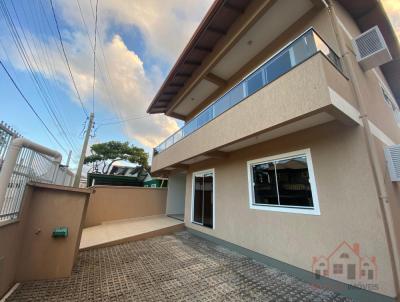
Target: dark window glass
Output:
[(264, 179), (282, 182), (278, 66), (208, 201), (203, 200), (198, 199), (293, 182), (255, 82)]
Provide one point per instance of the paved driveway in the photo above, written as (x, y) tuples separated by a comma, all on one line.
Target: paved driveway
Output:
[(181, 267)]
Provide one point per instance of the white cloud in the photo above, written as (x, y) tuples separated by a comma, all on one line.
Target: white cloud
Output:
[(166, 27), (392, 8)]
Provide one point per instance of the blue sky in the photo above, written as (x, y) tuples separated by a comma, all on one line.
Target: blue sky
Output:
[(137, 43)]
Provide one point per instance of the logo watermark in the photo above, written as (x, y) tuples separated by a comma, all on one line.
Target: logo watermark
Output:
[(346, 264)]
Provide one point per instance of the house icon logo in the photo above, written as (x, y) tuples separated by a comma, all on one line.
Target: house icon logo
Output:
[(345, 264)]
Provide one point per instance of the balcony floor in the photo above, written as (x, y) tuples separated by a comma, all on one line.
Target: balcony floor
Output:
[(178, 267)]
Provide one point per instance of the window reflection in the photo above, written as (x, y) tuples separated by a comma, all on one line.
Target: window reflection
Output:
[(293, 182), (265, 190), (283, 182)]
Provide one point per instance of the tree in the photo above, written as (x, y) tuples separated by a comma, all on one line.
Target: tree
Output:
[(112, 151)]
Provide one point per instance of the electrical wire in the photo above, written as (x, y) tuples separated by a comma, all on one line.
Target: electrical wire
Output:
[(119, 122), (31, 107), (106, 69), (94, 53), (66, 59), (48, 99), (123, 121), (39, 85)]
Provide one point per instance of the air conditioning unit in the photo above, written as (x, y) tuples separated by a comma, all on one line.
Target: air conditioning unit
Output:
[(392, 154), (371, 49)]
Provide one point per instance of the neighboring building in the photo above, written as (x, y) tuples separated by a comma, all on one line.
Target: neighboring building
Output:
[(156, 182), (126, 175), (137, 171), (282, 151)]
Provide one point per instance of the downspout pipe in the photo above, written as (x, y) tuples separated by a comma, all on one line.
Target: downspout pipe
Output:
[(371, 149), (11, 160)]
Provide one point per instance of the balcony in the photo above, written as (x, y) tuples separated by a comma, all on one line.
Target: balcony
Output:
[(265, 99)]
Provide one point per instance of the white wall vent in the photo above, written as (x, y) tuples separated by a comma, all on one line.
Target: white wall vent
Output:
[(371, 49), (392, 154)]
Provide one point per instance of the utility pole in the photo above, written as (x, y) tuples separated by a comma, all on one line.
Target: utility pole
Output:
[(83, 154), (68, 158)]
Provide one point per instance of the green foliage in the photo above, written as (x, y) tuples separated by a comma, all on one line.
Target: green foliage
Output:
[(114, 151)]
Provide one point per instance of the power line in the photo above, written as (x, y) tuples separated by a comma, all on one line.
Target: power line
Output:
[(66, 59), (94, 52), (123, 121), (50, 64), (120, 122), (107, 71), (49, 99), (40, 86), (30, 106)]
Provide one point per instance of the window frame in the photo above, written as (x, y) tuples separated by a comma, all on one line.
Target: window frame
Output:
[(202, 173), (315, 210)]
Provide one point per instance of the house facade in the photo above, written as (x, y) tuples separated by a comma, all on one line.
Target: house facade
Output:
[(282, 150)]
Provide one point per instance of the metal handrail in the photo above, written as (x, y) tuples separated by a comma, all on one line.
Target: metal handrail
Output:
[(299, 50)]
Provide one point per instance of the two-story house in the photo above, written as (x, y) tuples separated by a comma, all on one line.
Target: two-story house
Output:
[(287, 112)]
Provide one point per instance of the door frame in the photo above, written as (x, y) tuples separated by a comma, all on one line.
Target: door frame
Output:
[(201, 173)]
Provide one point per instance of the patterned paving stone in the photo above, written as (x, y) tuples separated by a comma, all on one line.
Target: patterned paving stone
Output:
[(179, 267)]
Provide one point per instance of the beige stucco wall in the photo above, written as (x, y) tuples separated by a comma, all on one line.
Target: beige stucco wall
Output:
[(393, 193), (347, 199), (27, 249), (377, 110), (315, 18), (176, 194), (301, 92), (114, 203), (11, 240)]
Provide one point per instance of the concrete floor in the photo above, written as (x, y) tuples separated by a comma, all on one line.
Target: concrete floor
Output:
[(178, 267), (118, 231)]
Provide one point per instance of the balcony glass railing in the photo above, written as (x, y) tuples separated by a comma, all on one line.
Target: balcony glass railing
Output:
[(289, 57)]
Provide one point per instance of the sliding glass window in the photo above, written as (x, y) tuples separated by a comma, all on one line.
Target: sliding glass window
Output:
[(203, 198), (283, 183)]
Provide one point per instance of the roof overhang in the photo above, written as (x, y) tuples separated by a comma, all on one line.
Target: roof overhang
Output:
[(223, 14), (216, 23), (368, 13)]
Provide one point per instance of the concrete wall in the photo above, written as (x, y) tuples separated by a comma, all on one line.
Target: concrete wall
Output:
[(176, 194), (114, 203), (347, 198), (11, 240), (27, 249)]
